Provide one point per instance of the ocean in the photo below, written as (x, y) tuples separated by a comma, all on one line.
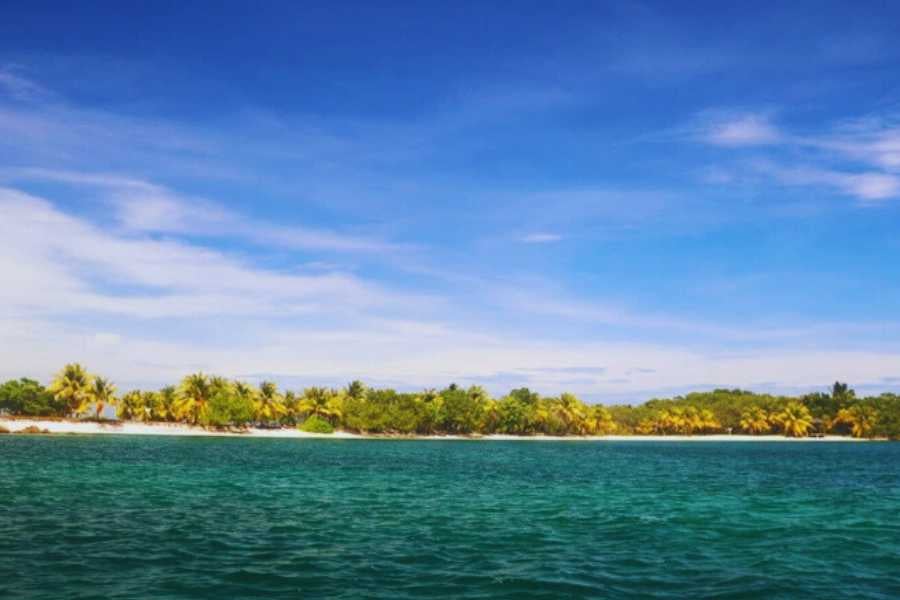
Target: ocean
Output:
[(119, 517)]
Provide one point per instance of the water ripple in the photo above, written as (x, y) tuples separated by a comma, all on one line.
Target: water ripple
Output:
[(119, 517)]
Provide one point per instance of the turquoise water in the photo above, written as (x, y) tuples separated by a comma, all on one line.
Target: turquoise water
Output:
[(153, 517)]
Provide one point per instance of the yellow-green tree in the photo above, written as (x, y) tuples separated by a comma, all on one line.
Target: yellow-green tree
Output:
[(794, 419), (572, 413), (490, 416), (268, 404), (599, 421), (755, 421), (859, 418), (102, 394), (322, 402), (163, 406), (192, 397), (72, 386), (132, 406)]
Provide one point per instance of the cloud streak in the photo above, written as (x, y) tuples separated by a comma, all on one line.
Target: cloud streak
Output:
[(741, 131), (540, 238), (872, 147), (141, 206)]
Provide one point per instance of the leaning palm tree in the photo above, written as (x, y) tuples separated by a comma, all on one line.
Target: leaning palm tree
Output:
[(72, 386), (860, 418), (192, 397), (795, 420), (755, 421), (102, 394), (268, 405)]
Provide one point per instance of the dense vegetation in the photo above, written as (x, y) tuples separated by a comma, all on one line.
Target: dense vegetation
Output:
[(217, 402)]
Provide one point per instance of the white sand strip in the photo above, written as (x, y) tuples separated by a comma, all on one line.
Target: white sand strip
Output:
[(137, 428)]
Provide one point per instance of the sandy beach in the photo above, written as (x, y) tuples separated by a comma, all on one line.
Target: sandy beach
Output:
[(63, 426)]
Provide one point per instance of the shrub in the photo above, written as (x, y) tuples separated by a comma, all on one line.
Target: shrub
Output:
[(316, 424), (226, 408)]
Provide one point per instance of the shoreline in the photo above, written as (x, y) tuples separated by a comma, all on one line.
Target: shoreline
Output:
[(73, 427)]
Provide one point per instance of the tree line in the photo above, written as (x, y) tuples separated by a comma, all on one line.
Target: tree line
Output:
[(217, 402)]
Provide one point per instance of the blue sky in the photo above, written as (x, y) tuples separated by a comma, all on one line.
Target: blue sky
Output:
[(620, 200)]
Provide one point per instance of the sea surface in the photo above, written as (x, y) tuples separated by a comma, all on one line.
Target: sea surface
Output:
[(164, 517)]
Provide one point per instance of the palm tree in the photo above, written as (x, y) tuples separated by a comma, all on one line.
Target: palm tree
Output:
[(860, 418), (103, 393), (322, 402), (356, 389), (692, 421), (490, 416), (648, 426), (600, 421), (132, 406), (755, 421), (164, 404), (671, 420), (795, 419), (244, 391), (268, 405), (540, 414), (572, 413), (708, 421), (192, 397), (72, 386)]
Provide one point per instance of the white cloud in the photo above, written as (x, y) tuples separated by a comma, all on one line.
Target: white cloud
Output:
[(743, 130), (867, 187), (873, 141), (61, 264), (871, 186), (540, 238), (860, 158), (141, 206)]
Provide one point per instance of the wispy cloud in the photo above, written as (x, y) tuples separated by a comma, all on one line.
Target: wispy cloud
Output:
[(20, 87), (141, 206), (741, 130), (60, 264), (540, 238), (874, 141), (859, 158), (867, 187)]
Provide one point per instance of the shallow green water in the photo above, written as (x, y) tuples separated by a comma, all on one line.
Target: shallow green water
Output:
[(153, 517)]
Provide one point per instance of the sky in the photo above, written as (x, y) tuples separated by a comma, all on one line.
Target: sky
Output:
[(620, 200)]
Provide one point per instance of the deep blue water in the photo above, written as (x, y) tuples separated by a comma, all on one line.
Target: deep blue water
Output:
[(155, 517)]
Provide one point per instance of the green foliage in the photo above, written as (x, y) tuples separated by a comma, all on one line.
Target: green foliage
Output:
[(217, 402), (316, 424), (28, 397), (227, 408)]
